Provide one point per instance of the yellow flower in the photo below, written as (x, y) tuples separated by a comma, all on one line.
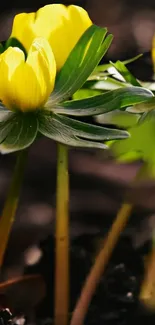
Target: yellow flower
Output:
[(62, 26), (25, 85)]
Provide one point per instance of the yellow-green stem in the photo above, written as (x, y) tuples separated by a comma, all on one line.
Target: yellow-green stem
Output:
[(62, 238), (102, 259), (100, 264), (11, 203), (147, 293)]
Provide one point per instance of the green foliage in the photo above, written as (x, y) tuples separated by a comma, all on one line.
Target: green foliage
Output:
[(81, 62), (75, 133), (85, 93), (125, 73), (101, 69), (138, 119), (19, 130), (111, 100), (141, 142), (122, 119)]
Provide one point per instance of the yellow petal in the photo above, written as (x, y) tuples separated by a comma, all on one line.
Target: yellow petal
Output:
[(59, 33), (41, 60), (22, 30), (50, 17), (52, 22), (62, 26), (29, 84), (79, 23), (68, 27), (9, 61)]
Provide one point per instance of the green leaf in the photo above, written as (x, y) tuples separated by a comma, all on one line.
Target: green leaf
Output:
[(109, 83), (81, 62), (132, 59), (128, 77), (147, 106), (111, 100), (85, 93), (6, 126), (101, 85), (118, 118), (140, 143), (90, 131), (98, 75), (75, 133), (4, 112), (130, 157), (100, 69), (1, 48), (18, 132)]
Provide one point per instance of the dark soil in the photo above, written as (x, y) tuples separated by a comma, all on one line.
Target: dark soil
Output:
[(116, 299)]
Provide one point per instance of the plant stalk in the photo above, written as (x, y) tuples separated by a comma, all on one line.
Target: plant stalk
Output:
[(11, 203), (102, 259), (147, 293), (62, 238)]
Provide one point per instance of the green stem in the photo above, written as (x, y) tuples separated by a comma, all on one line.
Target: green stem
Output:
[(102, 259), (62, 238), (100, 263), (147, 292), (11, 203)]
